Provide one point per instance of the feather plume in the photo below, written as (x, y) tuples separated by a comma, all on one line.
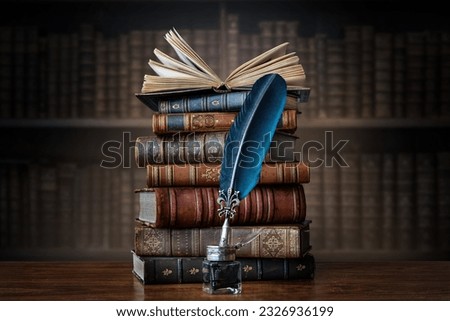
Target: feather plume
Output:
[(247, 144)]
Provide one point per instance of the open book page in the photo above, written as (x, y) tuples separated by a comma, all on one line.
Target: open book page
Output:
[(170, 67), (273, 53), (188, 55), (192, 72)]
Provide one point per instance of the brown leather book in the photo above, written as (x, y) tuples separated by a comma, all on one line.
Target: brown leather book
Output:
[(203, 147), (273, 241), (212, 121), (187, 207), (204, 174)]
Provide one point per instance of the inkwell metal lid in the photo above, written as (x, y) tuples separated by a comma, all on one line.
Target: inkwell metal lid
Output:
[(220, 253)]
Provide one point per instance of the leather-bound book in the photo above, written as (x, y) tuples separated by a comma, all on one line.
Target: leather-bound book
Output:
[(204, 174), (186, 207), (208, 147), (209, 122), (271, 241), (170, 270)]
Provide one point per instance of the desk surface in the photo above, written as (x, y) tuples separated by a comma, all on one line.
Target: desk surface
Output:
[(334, 281)]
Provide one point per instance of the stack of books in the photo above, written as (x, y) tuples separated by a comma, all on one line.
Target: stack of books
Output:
[(178, 216)]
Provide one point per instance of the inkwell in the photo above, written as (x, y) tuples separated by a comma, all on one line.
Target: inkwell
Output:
[(245, 148)]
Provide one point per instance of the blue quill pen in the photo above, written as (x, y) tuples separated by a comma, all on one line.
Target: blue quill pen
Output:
[(247, 144)]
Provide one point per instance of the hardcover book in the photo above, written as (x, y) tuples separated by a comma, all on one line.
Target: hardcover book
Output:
[(211, 122), (209, 101), (271, 241), (207, 174), (170, 270), (207, 147), (186, 207), (192, 72)]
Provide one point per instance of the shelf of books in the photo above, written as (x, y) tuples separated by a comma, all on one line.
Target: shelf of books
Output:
[(384, 88)]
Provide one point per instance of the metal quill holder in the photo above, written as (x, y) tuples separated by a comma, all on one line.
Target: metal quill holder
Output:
[(221, 271), (250, 134)]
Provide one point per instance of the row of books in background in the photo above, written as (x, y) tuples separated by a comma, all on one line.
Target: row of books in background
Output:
[(382, 202), (87, 74), (58, 210), (386, 202)]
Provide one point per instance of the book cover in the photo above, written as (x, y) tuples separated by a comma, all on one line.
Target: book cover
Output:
[(206, 147), (211, 121), (206, 174), (186, 207), (271, 241), (185, 101), (170, 270)]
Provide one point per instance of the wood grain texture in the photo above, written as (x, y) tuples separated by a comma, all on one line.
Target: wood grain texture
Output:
[(405, 280)]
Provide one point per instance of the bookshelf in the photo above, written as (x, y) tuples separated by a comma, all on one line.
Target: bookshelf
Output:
[(67, 85)]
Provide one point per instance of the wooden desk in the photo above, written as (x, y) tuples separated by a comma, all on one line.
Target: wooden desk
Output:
[(334, 281)]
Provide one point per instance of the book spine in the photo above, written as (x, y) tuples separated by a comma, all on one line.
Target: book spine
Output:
[(66, 174), (367, 71), (388, 202), (426, 200), (232, 44), (63, 94), (352, 55), (123, 77), (203, 122), (74, 76), (193, 148), (405, 191), (112, 78), (137, 64), (370, 201), (383, 75), (101, 69), (335, 77), (398, 77), (351, 203), (185, 207), (208, 174), (230, 102), (277, 241), (87, 70), (415, 74), (321, 63), (52, 72), (173, 270), (331, 208)]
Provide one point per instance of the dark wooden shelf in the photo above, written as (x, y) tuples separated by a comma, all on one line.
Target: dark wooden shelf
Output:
[(403, 280)]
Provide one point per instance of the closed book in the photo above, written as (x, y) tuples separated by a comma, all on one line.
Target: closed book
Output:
[(212, 121), (208, 101), (193, 148), (171, 270), (204, 174), (271, 241), (186, 207)]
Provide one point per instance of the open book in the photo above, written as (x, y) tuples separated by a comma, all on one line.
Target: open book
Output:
[(191, 72)]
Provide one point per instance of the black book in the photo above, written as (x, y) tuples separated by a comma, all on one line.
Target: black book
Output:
[(171, 270)]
